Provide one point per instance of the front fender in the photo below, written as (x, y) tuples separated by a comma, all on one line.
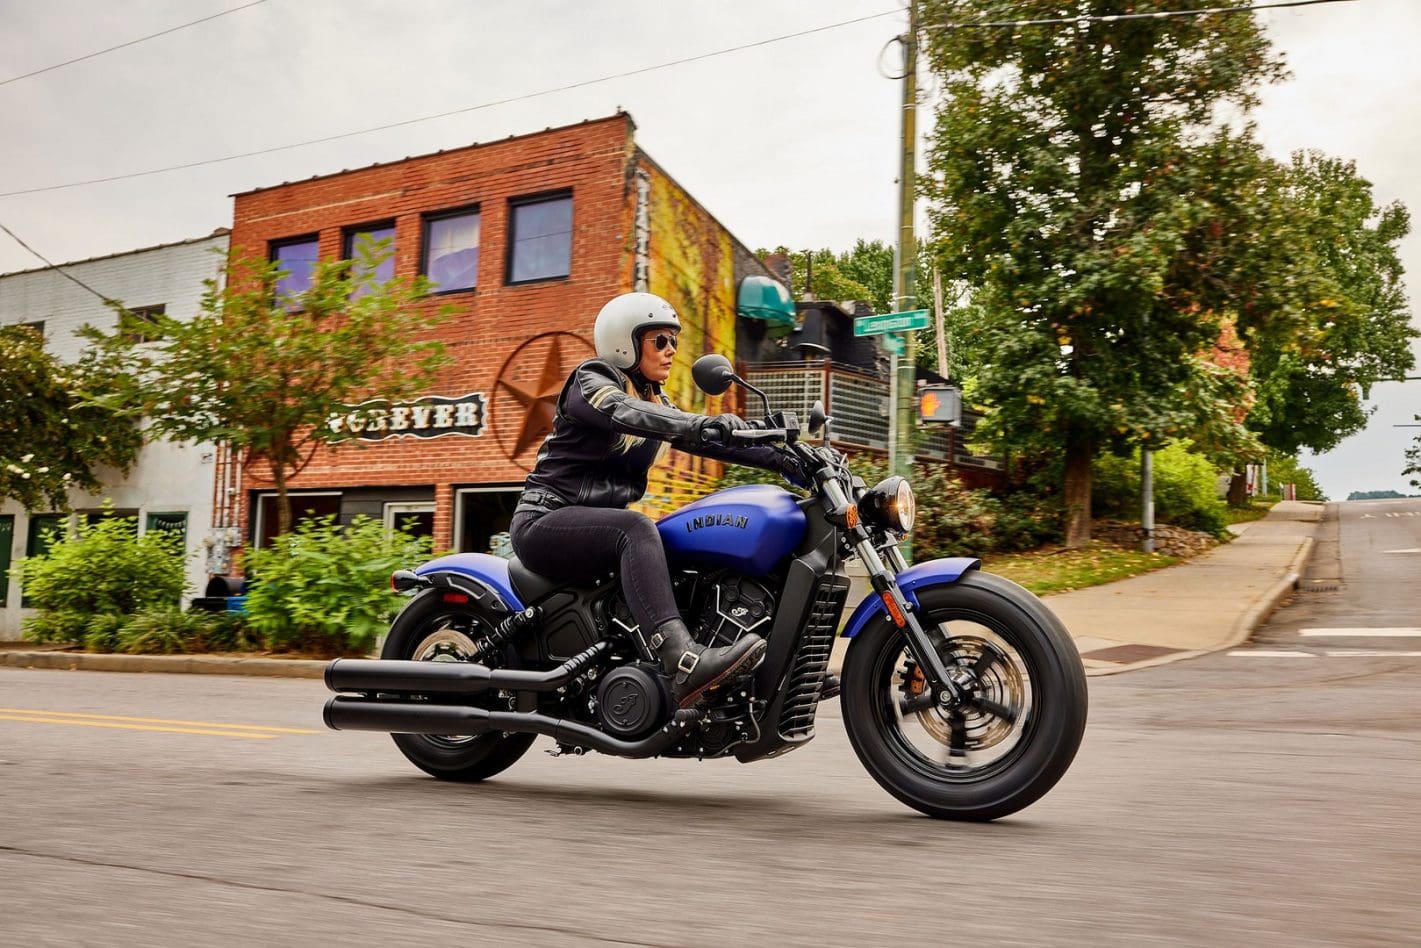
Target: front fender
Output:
[(489, 576), (932, 573)]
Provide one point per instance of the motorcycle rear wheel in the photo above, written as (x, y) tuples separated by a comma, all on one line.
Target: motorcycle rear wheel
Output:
[(995, 755), (431, 629)]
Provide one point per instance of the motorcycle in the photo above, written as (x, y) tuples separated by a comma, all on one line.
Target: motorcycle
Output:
[(962, 694)]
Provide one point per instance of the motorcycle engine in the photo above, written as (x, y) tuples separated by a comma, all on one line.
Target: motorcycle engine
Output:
[(727, 606)]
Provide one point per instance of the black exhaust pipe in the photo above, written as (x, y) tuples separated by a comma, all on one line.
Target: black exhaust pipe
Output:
[(407, 717), (451, 678)]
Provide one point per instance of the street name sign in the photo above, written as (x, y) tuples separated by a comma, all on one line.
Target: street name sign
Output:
[(892, 322)]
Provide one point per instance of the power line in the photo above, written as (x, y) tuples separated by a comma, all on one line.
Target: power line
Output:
[(1122, 17), (54, 267), (133, 42), (460, 111)]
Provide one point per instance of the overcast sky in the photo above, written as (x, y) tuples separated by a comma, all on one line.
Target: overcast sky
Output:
[(792, 143)]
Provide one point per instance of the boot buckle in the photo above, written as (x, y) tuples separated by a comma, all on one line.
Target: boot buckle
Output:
[(688, 662)]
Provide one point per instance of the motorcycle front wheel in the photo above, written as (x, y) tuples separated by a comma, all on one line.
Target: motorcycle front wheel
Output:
[(1014, 736), (430, 629)]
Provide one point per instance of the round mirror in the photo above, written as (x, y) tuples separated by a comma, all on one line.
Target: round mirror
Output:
[(816, 417), (713, 374)]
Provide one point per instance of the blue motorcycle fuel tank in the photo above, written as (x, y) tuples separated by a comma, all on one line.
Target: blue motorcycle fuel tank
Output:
[(749, 529)]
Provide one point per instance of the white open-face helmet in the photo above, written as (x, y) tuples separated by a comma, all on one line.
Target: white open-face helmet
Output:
[(622, 321)]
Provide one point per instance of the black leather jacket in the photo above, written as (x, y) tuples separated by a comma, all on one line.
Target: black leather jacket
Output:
[(604, 441)]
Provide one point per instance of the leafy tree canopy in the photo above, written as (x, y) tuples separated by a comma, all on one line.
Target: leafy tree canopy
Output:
[(263, 371), (1080, 180), (55, 436)]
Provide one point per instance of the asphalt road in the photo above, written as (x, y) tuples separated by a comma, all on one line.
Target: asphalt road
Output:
[(1238, 799)]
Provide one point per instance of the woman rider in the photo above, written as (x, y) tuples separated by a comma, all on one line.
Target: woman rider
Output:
[(572, 524)]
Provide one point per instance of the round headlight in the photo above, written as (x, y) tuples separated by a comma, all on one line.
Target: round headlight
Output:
[(890, 504)]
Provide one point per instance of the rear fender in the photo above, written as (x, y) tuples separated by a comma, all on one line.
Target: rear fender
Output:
[(479, 575), (932, 573)]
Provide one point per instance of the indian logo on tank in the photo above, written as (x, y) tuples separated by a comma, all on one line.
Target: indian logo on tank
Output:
[(717, 520)]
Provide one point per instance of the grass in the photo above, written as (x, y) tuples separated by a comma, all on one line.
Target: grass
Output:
[(1052, 570), (1254, 511)]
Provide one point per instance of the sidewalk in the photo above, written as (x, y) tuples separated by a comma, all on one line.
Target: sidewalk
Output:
[(1211, 602)]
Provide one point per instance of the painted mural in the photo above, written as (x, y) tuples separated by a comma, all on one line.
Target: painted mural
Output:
[(687, 258)]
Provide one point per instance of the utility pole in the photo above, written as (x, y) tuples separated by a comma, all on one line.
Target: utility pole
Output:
[(1147, 492), (900, 435)]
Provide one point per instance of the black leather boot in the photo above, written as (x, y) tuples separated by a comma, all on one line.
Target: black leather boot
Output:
[(694, 669)]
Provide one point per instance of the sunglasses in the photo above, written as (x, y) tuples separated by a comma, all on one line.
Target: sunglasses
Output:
[(663, 341)]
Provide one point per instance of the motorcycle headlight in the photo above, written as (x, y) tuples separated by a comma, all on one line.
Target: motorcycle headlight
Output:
[(890, 504)]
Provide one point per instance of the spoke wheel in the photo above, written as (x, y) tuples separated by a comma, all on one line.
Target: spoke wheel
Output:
[(1021, 719)]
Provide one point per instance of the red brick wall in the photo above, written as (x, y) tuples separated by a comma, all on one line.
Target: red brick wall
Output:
[(592, 160)]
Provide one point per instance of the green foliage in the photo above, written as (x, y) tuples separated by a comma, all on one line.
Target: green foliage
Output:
[(325, 588), (952, 519), (264, 374), (1082, 180), (1286, 469), (1413, 460), (54, 437), (1185, 488), (103, 568), (1330, 272), (1376, 495)]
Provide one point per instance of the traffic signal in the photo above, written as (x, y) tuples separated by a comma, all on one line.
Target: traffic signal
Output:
[(940, 404)]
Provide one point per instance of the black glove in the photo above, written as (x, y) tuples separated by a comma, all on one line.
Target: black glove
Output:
[(794, 472), (717, 428)]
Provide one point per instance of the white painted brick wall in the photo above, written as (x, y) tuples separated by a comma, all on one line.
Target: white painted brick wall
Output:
[(169, 477)]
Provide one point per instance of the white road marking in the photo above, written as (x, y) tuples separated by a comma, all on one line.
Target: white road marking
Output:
[(1414, 549), (1270, 653), (1369, 653), (1394, 632)]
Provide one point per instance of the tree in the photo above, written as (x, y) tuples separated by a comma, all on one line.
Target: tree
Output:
[(55, 437), (1351, 327), (1079, 180), (263, 372), (1413, 460)]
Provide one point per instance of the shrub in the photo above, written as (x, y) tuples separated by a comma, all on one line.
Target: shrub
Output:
[(102, 569), (325, 588), (1185, 489)]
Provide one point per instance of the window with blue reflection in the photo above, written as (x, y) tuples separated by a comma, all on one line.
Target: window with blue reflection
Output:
[(451, 251), (540, 246), (298, 259), (380, 240)]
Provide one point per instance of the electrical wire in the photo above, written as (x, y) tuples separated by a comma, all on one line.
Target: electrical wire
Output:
[(460, 111), (55, 267), (1123, 17), (133, 42)]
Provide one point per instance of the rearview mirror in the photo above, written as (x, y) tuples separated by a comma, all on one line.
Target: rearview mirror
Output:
[(817, 418), (713, 374)]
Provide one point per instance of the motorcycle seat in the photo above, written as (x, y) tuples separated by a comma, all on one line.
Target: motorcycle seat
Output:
[(529, 586)]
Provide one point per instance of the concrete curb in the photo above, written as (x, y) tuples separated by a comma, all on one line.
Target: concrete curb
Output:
[(179, 664), (1243, 628)]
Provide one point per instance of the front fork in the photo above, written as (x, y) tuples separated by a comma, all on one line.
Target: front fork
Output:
[(883, 575)]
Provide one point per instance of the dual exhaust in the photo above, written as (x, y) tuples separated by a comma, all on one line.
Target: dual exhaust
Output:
[(395, 697)]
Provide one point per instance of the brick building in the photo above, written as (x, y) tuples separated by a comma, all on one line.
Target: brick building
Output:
[(526, 237), (169, 487)]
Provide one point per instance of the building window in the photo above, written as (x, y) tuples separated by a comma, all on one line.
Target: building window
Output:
[(306, 506), (174, 524), (140, 323), (415, 519), (7, 543), (381, 238), (44, 531), (298, 258), (451, 250), (540, 239)]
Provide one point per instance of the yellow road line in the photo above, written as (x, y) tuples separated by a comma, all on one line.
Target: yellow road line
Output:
[(118, 717), (135, 727)]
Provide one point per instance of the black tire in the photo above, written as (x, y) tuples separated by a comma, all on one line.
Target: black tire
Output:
[(1017, 645), (466, 759)]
